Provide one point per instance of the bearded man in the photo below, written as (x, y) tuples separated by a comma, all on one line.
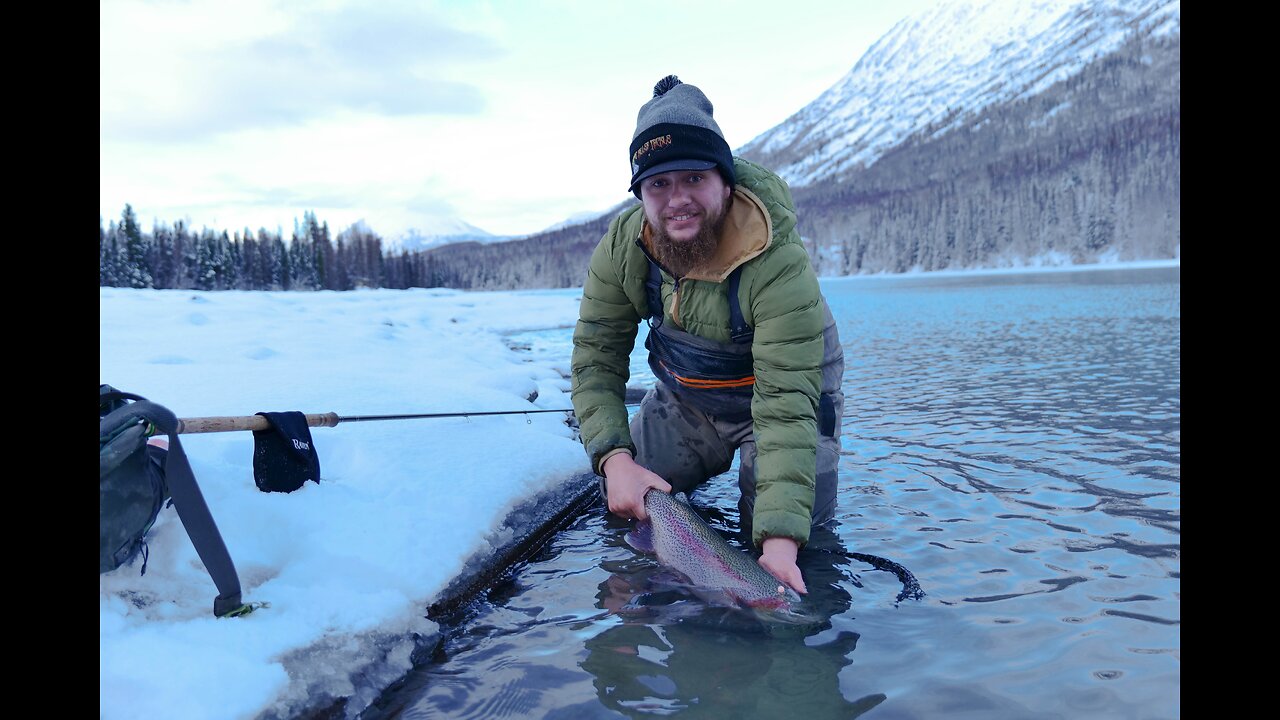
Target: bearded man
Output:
[(740, 338)]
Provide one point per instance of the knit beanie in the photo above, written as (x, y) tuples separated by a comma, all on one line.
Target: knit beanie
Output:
[(675, 131)]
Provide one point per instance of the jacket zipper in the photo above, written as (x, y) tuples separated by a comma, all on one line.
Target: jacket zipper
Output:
[(675, 299)]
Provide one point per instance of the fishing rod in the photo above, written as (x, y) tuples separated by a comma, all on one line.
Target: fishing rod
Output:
[(257, 422)]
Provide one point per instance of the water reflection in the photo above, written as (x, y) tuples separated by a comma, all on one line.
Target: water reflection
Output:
[(641, 668), (672, 652)]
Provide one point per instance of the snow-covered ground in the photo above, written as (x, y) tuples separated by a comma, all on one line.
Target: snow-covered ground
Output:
[(347, 566)]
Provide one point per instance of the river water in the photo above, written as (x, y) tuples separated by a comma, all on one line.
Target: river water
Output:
[(1012, 439)]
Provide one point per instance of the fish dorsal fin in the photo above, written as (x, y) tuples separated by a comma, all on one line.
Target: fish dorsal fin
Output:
[(681, 497)]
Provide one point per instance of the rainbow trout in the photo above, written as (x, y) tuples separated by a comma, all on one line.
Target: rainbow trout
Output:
[(685, 543)]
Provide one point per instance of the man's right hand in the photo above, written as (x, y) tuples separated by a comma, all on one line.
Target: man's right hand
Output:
[(626, 482)]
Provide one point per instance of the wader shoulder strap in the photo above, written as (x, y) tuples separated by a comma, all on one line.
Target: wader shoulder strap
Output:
[(653, 293), (191, 507), (739, 330)]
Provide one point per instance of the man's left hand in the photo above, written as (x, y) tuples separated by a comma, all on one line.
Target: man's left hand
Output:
[(779, 558)]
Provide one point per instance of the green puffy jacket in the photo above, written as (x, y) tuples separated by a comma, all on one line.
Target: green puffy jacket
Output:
[(780, 299)]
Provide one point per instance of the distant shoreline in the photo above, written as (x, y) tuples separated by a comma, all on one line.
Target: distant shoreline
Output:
[(1024, 270), (976, 272)]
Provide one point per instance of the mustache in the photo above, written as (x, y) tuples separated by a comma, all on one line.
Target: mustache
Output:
[(691, 209), (682, 257)]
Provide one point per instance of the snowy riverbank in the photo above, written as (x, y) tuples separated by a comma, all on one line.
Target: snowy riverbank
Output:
[(348, 566)]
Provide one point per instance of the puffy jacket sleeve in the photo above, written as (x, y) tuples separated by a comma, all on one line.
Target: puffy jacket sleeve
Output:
[(788, 318), (602, 343)]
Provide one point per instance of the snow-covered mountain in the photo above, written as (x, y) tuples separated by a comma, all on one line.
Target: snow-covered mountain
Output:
[(940, 67), (579, 218), (978, 133), (450, 231), (443, 231)]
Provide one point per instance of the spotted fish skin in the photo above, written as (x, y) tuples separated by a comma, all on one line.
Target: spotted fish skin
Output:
[(684, 542)]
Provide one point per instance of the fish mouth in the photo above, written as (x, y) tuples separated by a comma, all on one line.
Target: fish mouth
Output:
[(785, 616)]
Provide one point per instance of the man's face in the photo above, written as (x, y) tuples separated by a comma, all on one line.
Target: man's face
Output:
[(680, 203)]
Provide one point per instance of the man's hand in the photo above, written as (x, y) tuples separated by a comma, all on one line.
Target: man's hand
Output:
[(626, 482), (779, 558)]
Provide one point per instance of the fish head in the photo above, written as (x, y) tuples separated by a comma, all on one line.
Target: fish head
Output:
[(784, 599)]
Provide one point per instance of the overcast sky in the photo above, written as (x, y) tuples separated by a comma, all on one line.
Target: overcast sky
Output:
[(511, 115)]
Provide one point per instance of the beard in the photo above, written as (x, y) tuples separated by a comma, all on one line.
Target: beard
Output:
[(680, 257)]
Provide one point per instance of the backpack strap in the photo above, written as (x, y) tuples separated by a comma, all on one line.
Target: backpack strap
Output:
[(188, 500), (739, 331)]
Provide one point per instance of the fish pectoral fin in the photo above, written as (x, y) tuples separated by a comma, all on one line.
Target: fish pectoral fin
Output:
[(717, 596), (641, 537), (670, 579)]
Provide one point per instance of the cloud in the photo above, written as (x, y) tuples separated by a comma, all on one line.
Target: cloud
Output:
[(383, 59)]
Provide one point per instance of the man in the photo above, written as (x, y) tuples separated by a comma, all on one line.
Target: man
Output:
[(741, 340)]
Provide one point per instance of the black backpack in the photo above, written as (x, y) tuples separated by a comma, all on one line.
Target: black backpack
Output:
[(133, 486)]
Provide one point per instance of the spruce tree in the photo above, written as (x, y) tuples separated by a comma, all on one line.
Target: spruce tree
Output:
[(106, 256), (137, 274), (163, 274), (183, 256)]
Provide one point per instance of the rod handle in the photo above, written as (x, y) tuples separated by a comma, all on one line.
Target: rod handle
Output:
[(246, 422)]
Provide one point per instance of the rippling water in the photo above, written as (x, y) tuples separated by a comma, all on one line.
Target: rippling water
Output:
[(1013, 440)]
